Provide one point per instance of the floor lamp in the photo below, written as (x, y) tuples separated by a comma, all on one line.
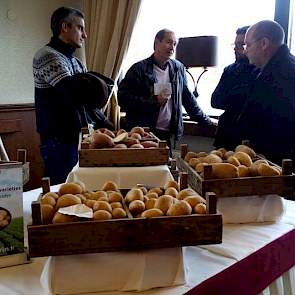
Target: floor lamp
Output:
[(199, 51)]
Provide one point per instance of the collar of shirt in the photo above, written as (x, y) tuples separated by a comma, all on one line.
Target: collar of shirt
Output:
[(62, 47), (162, 67)]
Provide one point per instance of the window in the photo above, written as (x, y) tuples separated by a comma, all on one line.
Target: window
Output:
[(194, 18), (291, 38)]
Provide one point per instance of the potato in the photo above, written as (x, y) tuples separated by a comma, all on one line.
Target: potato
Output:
[(194, 161), (244, 171), (172, 183), (138, 129), (257, 162), (116, 205), (47, 213), (266, 170), (102, 215), (47, 199), (90, 203), (200, 167), (243, 158), (101, 140), (82, 184), (136, 146), (130, 141), (136, 207), (180, 208), (110, 186), (120, 146), (109, 133), (120, 131), (149, 144), (144, 189), (217, 153), (233, 160), (253, 170), (4, 218), (202, 154), (135, 135), (185, 193), (102, 205), (157, 190), (211, 158), (194, 200), (52, 194), (99, 194), (119, 213), (3, 214), (154, 212), (64, 218), (200, 208), (134, 194), (150, 203), (190, 155), (105, 199), (163, 203), (279, 169), (228, 154), (224, 170), (152, 195), (70, 188), (223, 151), (67, 200), (245, 149), (115, 197), (171, 191)]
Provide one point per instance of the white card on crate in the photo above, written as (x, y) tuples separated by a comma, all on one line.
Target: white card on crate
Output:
[(158, 87), (11, 214)]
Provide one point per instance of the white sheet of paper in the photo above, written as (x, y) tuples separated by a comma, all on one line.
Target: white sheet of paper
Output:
[(158, 87)]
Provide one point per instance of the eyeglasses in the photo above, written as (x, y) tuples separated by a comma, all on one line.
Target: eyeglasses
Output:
[(245, 46)]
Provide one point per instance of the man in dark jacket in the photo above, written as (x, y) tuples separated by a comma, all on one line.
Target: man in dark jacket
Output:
[(268, 117), (231, 93), (64, 94), (155, 89)]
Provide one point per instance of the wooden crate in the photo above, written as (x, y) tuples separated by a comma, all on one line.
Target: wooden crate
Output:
[(123, 157), (124, 234), (22, 157), (282, 185)]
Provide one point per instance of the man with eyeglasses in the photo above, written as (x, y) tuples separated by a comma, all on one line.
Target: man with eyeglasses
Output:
[(231, 93), (268, 116)]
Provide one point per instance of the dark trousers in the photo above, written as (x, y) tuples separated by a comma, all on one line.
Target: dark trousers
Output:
[(59, 158), (164, 135)]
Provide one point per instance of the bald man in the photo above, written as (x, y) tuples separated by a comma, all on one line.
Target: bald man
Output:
[(268, 116)]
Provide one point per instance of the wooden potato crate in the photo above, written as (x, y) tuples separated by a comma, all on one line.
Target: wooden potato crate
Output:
[(282, 185), (107, 157), (124, 234)]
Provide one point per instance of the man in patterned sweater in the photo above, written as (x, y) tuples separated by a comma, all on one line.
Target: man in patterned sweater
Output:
[(60, 107)]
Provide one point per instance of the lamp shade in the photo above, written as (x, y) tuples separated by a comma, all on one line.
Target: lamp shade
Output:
[(200, 51)]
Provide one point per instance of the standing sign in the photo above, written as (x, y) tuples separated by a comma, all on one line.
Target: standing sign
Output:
[(11, 214)]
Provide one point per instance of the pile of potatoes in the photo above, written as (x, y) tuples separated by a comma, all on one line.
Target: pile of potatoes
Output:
[(231, 164), (106, 203), (121, 139), (169, 201), (5, 218)]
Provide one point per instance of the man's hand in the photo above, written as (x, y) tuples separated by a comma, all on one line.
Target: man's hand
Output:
[(163, 96)]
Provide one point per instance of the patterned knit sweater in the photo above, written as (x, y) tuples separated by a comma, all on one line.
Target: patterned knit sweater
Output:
[(58, 113)]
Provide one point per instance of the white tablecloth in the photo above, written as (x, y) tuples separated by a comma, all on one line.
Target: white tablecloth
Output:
[(125, 177), (201, 262)]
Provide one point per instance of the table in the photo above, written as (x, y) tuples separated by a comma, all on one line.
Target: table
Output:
[(245, 248)]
